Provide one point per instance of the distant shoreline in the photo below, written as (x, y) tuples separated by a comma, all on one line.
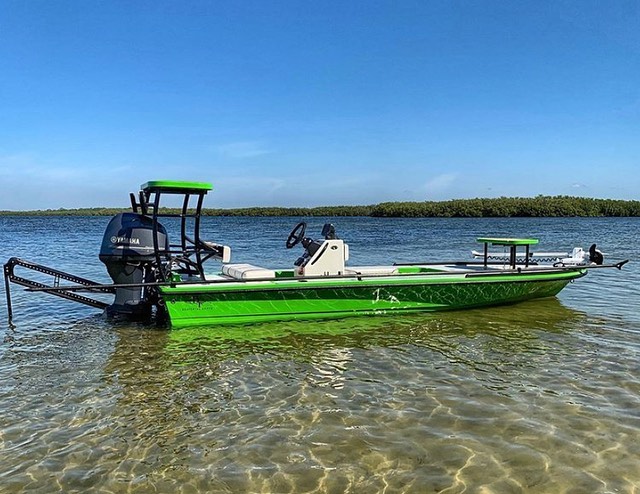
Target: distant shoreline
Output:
[(502, 207)]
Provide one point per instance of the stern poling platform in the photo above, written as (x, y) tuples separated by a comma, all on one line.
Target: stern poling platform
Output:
[(188, 256)]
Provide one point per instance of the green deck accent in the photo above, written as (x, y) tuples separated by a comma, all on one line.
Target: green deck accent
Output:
[(287, 299), (176, 186), (415, 270), (508, 241)]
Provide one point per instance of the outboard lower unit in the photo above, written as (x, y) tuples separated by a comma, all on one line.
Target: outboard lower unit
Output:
[(128, 252)]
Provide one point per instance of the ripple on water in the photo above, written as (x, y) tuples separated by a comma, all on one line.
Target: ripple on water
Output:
[(411, 405)]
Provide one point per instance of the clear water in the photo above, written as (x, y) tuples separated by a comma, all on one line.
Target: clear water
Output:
[(539, 397)]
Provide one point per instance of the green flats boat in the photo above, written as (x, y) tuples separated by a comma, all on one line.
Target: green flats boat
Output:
[(152, 274), (401, 290)]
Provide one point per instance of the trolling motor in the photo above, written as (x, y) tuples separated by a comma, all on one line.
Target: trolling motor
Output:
[(595, 256), (581, 258)]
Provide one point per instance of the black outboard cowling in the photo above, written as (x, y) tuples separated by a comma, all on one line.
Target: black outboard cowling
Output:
[(127, 251)]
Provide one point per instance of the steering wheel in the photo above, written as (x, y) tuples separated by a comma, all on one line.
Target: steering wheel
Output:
[(296, 235)]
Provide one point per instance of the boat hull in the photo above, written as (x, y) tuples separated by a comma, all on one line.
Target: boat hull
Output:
[(279, 300)]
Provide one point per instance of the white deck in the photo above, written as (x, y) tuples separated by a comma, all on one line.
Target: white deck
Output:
[(248, 272), (371, 270)]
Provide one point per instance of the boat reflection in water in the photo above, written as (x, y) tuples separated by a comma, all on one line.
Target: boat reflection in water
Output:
[(345, 396), (323, 351)]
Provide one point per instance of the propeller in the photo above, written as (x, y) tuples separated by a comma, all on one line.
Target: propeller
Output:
[(595, 255)]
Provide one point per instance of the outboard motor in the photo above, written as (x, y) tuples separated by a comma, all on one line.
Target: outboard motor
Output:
[(128, 253)]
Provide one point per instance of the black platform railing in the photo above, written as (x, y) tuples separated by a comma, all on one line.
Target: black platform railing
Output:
[(11, 277), (188, 253)]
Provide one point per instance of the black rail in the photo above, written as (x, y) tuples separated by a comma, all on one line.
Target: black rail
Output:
[(11, 277)]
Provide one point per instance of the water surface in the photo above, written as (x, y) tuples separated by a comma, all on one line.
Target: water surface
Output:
[(538, 397)]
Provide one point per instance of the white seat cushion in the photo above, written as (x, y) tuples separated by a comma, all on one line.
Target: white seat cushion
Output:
[(247, 272)]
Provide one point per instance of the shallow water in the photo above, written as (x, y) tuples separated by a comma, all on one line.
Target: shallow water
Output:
[(538, 397)]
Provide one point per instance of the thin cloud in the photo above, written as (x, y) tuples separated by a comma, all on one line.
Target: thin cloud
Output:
[(243, 149), (440, 182), (11, 164)]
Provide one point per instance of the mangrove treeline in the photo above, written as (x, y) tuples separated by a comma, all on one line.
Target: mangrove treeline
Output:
[(540, 206)]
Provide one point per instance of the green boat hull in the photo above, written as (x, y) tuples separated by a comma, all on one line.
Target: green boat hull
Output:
[(280, 300)]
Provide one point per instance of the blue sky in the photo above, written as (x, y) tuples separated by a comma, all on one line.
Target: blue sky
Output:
[(304, 103)]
